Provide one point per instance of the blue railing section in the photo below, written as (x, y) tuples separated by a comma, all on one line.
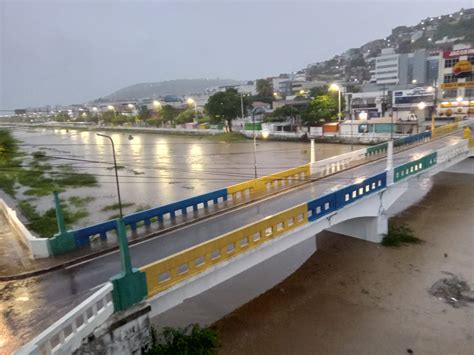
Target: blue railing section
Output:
[(326, 204), (82, 235)]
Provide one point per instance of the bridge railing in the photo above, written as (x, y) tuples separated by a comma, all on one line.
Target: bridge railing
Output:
[(249, 190), (176, 268), (414, 167), (451, 151), (65, 335)]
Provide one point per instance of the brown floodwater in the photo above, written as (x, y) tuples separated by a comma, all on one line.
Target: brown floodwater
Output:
[(355, 297)]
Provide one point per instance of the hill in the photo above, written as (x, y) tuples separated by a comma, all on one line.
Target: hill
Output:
[(172, 87)]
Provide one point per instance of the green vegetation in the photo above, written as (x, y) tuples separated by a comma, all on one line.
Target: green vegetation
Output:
[(79, 202), (184, 341), (399, 234), (226, 106), (45, 224), (115, 206), (227, 137)]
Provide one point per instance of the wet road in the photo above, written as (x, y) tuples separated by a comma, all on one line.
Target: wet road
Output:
[(29, 306)]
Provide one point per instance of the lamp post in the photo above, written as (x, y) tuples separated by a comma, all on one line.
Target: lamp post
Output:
[(433, 89), (116, 172), (242, 104), (335, 87), (254, 144), (190, 101), (112, 108)]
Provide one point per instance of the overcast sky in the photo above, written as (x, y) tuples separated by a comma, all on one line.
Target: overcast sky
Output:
[(60, 52)]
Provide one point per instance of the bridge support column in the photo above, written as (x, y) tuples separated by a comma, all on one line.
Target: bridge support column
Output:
[(371, 229), (63, 241)]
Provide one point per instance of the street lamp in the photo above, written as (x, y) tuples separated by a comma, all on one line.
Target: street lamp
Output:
[(116, 173), (421, 105), (190, 101), (335, 87), (156, 104), (459, 99), (112, 108)]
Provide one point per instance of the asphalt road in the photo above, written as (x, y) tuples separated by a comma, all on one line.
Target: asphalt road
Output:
[(29, 306)]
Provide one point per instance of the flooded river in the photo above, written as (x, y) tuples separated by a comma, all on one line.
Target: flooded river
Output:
[(159, 169)]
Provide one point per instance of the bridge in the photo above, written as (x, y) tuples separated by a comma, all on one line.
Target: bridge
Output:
[(242, 226)]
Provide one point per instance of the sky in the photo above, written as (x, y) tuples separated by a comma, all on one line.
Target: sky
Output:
[(68, 51)]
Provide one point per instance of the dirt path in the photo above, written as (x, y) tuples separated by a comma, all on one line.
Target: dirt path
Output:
[(354, 297)]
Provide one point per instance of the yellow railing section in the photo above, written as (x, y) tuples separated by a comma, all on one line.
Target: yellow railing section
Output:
[(269, 183), (444, 129), (169, 271)]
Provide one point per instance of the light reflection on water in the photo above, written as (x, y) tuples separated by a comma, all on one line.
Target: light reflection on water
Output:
[(159, 169)]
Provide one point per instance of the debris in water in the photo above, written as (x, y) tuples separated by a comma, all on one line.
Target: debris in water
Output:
[(454, 290), (445, 255), (409, 351)]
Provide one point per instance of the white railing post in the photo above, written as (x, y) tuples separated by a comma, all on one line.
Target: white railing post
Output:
[(390, 162), (313, 157)]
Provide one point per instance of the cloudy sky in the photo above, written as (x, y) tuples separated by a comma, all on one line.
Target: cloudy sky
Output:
[(60, 52)]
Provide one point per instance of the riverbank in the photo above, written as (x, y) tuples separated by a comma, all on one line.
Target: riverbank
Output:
[(354, 297)]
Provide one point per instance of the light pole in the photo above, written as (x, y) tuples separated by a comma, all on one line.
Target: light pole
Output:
[(242, 104), (433, 110), (335, 87), (190, 101), (254, 144), (112, 108), (116, 172)]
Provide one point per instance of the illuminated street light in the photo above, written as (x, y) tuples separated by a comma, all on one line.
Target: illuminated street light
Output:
[(156, 104), (265, 134), (421, 105), (430, 89), (131, 106), (413, 81), (95, 109), (190, 101), (335, 87), (301, 92), (363, 116), (459, 99), (111, 108)]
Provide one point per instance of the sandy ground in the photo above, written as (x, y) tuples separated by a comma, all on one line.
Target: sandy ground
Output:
[(354, 297)]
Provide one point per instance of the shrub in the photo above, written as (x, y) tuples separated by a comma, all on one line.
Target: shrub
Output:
[(398, 235), (184, 341)]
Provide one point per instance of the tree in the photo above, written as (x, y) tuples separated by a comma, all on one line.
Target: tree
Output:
[(321, 109), (264, 89), (144, 113), (318, 91), (224, 105), (169, 113), (186, 116), (282, 113)]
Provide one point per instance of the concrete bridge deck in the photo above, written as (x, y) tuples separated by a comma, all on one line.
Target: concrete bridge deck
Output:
[(53, 294)]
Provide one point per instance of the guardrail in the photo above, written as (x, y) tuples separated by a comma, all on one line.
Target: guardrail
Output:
[(65, 335), (452, 151), (338, 163), (414, 167), (445, 129), (38, 246), (329, 203), (169, 271), (82, 235)]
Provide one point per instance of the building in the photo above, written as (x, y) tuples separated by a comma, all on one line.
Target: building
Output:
[(393, 68), (414, 104), (367, 103)]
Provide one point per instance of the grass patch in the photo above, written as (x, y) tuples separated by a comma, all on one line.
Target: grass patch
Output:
[(115, 206), (119, 167), (227, 137), (78, 201), (399, 234), (76, 180), (189, 340), (45, 224)]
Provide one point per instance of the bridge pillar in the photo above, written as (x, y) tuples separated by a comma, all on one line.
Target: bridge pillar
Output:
[(63, 241), (371, 229)]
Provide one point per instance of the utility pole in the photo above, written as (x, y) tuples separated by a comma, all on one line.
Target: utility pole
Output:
[(242, 104), (383, 100)]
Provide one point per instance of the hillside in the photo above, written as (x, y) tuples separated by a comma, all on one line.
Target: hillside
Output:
[(432, 34), (171, 87)]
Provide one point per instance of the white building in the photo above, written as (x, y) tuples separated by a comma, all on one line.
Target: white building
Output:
[(387, 67)]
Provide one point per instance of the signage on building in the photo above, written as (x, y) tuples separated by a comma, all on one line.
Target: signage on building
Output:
[(462, 69), (458, 53), (457, 85), (412, 97)]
